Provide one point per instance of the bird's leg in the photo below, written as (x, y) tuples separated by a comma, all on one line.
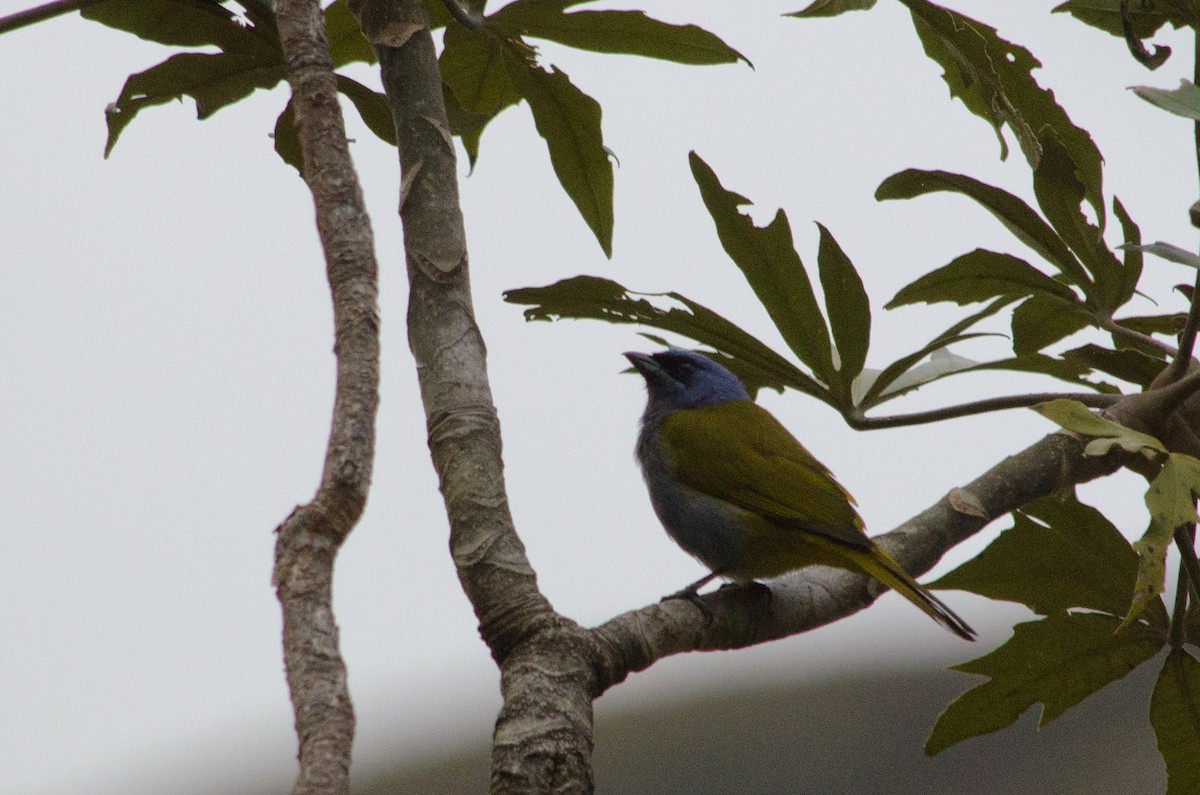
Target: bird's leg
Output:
[(690, 593)]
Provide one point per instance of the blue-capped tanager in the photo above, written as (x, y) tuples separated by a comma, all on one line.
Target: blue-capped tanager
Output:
[(738, 492)]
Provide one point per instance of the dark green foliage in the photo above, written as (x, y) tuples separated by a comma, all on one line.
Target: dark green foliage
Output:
[(993, 78), (1129, 365), (832, 8), (1175, 716), (604, 299), (768, 260), (1059, 554), (621, 32), (847, 305), (1145, 18), (1057, 662), (485, 71), (569, 120), (978, 276)]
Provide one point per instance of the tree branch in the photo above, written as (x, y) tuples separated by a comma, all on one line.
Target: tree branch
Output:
[(32, 16), (542, 671), (1187, 338), (311, 536), (860, 422)]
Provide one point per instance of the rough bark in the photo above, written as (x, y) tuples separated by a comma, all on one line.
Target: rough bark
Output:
[(308, 540)]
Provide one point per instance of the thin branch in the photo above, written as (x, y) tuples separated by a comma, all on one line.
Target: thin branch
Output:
[(1165, 399), (463, 14), (310, 537), (1196, 81), (860, 422), (1112, 326), (31, 16), (1185, 542), (1187, 339), (1179, 633)]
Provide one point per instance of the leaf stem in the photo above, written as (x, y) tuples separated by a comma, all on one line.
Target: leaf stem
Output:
[(463, 14), (1110, 325), (1185, 542), (32, 16), (1187, 339), (1179, 634), (859, 422)]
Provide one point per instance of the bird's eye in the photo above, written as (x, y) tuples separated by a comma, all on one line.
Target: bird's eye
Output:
[(684, 369)]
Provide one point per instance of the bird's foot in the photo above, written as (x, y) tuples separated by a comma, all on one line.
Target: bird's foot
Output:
[(689, 594), (760, 590)]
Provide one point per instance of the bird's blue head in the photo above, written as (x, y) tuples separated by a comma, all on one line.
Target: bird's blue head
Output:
[(678, 379)]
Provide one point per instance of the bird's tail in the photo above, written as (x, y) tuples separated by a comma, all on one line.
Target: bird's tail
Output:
[(883, 567)]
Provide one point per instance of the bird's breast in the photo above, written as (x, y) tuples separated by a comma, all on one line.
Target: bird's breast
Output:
[(710, 529)]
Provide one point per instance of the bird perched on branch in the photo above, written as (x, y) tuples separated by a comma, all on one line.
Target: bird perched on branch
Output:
[(738, 492)]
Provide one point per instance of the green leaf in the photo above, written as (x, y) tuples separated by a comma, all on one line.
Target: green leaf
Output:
[(603, 299), (768, 259), (1017, 216), (1043, 320), (1169, 325), (1071, 372), (372, 106), (472, 64), (569, 121), (1171, 500), (213, 81), (1183, 101), (848, 306), (439, 17), (942, 362), (1168, 251), (346, 41), (1132, 260), (1057, 661), (1074, 416), (992, 76), (626, 32), (1058, 554), (1060, 193), (889, 383), (980, 275), (832, 8), (1175, 716), (1127, 364), (1146, 19), (467, 125), (182, 23), (287, 142)]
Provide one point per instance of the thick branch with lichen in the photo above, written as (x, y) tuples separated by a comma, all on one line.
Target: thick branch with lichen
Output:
[(308, 540)]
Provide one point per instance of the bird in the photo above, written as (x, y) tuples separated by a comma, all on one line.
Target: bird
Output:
[(736, 490)]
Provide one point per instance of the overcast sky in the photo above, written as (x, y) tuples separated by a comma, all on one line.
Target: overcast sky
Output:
[(166, 374)]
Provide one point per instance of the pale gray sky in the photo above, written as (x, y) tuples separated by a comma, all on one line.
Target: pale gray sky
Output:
[(167, 374)]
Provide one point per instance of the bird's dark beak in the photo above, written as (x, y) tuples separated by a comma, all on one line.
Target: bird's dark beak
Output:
[(643, 362)]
